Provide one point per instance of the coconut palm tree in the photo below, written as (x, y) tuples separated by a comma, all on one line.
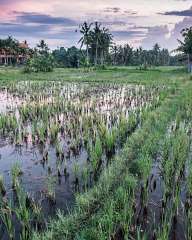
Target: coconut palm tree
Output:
[(96, 37), (42, 47), (186, 46), (114, 54), (156, 54), (105, 42), (86, 38)]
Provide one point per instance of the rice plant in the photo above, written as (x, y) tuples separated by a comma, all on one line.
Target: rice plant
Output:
[(6, 216), (2, 186), (15, 173)]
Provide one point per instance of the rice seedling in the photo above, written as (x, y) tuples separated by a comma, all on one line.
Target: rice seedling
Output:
[(23, 214), (144, 165), (76, 173), (2, 186), (58, 150), (6, 216), (122, 129), (140, 235), (110, 141), (189, 225), (96, 155), (50, 182), (85, 176), (164, 232), (37, 216), (54, 129), (15, 173)]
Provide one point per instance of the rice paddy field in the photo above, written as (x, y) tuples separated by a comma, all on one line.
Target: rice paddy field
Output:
[(96, 155)]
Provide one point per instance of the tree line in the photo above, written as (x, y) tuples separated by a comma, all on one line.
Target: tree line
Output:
[(117, 55), (98, 49)]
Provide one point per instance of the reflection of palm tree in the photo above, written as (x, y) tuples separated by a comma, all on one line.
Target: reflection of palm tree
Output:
[(85, 39)]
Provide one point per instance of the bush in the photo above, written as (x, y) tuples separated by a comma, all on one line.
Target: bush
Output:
[(40, 63)]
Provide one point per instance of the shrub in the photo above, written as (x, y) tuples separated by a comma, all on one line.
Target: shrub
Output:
[(40, 63)]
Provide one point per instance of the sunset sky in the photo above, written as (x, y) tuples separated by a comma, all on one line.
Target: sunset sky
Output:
[(137, 22)]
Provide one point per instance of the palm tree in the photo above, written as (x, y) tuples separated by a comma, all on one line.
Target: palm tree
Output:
[(156, 53), (105, 42), (186, 46), (114, 54), (42, 47), (128, 51), (96, 36), (86, 38)]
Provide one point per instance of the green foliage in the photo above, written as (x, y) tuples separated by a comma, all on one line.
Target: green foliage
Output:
[(110, 140), (96, 154), (97, 41), (186, 45), (71, 57), (40, 63), (6, 216)]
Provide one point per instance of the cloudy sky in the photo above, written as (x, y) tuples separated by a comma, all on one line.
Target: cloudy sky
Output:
[(137, 22)]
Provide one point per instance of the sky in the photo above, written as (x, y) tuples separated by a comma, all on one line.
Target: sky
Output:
[(137, 22)]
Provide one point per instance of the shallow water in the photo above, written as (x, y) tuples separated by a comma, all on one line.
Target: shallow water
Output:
[(39, 176)]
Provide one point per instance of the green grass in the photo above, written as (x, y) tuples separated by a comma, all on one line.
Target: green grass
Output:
[(167, 75)]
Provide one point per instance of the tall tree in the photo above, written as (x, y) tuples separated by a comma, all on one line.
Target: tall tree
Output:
[(42, 47), (105, 42), (96, 38), (86, 38), (156, 55), (186, 46)]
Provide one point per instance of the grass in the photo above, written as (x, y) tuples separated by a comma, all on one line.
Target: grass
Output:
[(121, 75)]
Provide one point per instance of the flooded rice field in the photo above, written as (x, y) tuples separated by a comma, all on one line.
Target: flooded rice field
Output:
[(55, 139), (163, 198)]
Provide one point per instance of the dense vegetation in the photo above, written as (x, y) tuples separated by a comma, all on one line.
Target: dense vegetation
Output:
[(119, 56), (41, 61), (96, 49)]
